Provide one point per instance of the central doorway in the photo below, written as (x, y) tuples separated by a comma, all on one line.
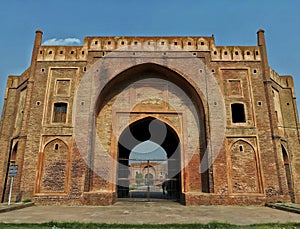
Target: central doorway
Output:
[(149, 162)]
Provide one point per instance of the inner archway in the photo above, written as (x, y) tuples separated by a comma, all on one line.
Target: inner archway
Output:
[(149, 162), (288, 173)]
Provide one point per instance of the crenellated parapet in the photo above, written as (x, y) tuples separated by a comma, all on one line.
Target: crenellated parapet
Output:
[(276, 77), (107, 44), (154, 43), (283, 81), (235, 53), (62, 53)]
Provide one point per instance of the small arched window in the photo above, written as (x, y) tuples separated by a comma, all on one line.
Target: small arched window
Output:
[(238, 113)]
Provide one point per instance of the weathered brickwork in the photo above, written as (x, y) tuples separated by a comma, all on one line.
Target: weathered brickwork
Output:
[(196, 89)]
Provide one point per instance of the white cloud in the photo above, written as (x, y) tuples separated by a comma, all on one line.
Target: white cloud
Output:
[(66, 41)]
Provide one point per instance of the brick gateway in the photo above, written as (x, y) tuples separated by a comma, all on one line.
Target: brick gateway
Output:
[(231, 122)]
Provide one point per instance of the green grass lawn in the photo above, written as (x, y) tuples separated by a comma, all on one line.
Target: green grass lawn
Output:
[(51, 225)]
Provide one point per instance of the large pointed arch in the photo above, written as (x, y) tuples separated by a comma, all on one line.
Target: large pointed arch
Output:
[(95, 131), (171, 145), (141, 72)]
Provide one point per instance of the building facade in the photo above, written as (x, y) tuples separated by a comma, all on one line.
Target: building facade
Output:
[(227, 122)]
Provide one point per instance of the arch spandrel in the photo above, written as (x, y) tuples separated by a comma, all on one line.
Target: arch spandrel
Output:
[(53, 141), (163, 72)]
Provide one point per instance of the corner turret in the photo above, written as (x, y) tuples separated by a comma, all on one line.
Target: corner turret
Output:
[(37, 44), (261, 37)]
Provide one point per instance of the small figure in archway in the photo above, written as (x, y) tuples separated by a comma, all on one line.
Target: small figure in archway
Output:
[(164, 187)]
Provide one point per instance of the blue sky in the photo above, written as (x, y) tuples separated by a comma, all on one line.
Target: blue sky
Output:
[(232, 22), (147, 150)]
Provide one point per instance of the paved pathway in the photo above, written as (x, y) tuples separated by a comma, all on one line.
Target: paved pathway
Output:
[(149, 212)]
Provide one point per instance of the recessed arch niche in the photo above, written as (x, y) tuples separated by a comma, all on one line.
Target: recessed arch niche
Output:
[(153, 90)]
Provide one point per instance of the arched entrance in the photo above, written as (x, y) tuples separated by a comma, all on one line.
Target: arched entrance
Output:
[(125, 108), (149, 163), (288, 173)]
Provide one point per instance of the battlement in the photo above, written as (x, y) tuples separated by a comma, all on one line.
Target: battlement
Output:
[(236, 53), (62, 53), (276, 77), (283, 81), (107, 44), (150, 43)]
